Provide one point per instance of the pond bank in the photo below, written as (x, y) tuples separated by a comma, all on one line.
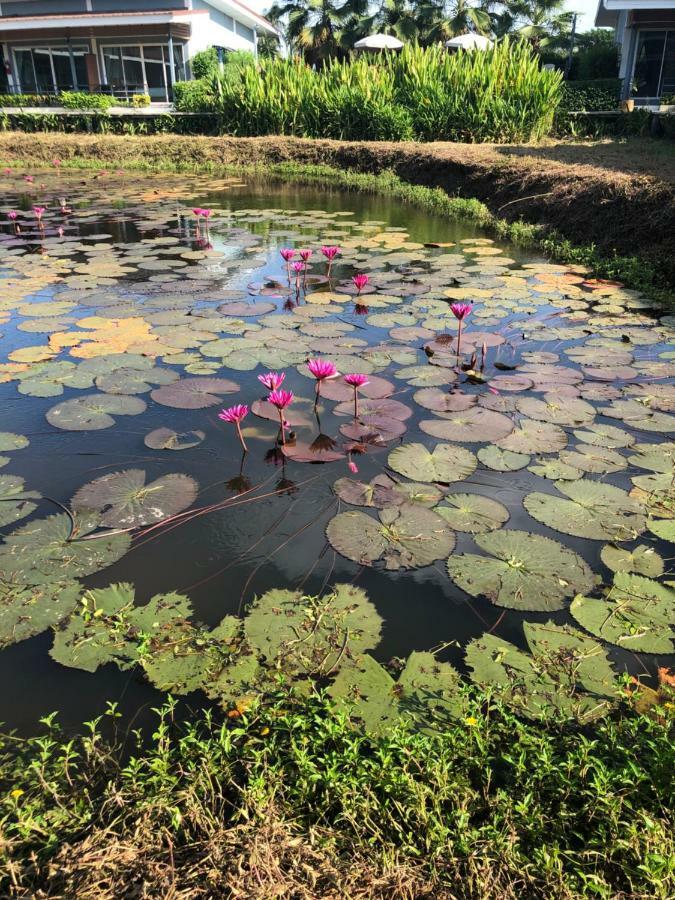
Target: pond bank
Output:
[(288, 800), (622, 223)]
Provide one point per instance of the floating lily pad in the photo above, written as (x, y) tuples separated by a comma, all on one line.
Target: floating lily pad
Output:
[(406, 537), (605, 436), (10, 441), (56, 549), (15, 502), (446, 463), (444, 401), (637, 614), (323, 449), (168, 439), (529, 436), (555, 470), (664, 529), (135, 381), (368, 691), (591, 458), (477, 424), (93, 412), (29, 610), (124, 500), (502, 460), (559, 410), (525, 571), (472, 512), (376, 389), (567, 673), (600, 512), (643, 560), (194, 393)]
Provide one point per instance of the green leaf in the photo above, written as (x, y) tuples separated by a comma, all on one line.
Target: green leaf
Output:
[(445, 464)]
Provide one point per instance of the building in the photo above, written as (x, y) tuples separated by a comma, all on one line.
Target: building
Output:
[(118, 46), (645, 34)]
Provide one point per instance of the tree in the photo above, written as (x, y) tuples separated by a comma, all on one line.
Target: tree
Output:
[(596, 55), (315, 28), (399, 18), (444, 19), (544, 23)]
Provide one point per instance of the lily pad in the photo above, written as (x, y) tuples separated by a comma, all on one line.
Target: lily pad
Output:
[(589, 509), (472, 512), (10, 441), (502, 460), (194, 393), (168, 439), (446, 463), (525, 571), (409, 536), (477, 424), (530, 436), (591, 458), (124, 500), (637, 614), (558, 410), (643, 560), (29, 610), (93, 412), (566, 675), (15, 502)]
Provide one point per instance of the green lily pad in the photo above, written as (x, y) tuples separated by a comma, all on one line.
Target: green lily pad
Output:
[(93, 412), (15, 502), (367, 690), (637, 614), (472, 512), (194, 393), (446, 463), (475, 424), (135, 381), (29, 610), (643, 560), (600, 512), (54, 550), (591, 458), (558, 410), (429, 692), (502, 460), (10, 441), (405, 537), (654, 457), (312, 635), (124, 500), (168, 439), (525, 571), (605, 436), (530, 436), (555, 470), (566, 674), (664, 529)]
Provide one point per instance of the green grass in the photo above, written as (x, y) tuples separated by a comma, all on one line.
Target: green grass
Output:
[(291, 794)]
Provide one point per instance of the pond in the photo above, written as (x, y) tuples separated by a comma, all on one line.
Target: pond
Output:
[(505, 502)]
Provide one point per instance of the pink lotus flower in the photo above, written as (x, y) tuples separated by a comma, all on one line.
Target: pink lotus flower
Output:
[(357, 381), (235, 415), (298, 267), (206, 213), (29, 178), (272, 380), (39, 210), (287, 254), (281, 399), (360, 281), (305, 255), (56, 162), (7, 171), (460, 311), (321, 369), (12, 214), (351, 465), (197, 210), (330, 252)]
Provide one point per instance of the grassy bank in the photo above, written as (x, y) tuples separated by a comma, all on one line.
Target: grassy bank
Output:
[(620, 224), (290, 800)]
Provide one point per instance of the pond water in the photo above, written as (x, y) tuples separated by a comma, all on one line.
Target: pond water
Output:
[(539, 448)]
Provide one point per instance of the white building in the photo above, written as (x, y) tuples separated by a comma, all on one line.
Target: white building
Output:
[(645, 34), (124, 46)]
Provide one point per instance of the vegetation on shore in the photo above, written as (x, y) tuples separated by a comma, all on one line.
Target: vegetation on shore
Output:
[(287, 798)]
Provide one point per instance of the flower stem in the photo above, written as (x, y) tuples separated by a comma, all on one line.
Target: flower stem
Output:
[(459, 337), (356, 402), (281, 423), (241, 437)]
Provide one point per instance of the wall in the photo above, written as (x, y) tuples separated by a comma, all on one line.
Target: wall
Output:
[(217, 30)]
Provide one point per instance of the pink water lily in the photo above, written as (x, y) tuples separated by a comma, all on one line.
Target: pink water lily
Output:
[(12, 214), (356, 380), (39, 210), (272, 380), (460, 311), (360, 281), (56, 162), (305, 255), (235, 415), (287, 254), (197, 210), (330, 253), (321, 369), (298, 267), (206, 213), (281, 399), (29, 178), (7, 171)]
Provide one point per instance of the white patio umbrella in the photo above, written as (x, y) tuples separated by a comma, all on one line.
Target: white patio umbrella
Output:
[(378, 42), (468, 42)]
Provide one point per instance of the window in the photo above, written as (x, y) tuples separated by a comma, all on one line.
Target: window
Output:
[(654, 73), (245, 32), (45, 70), (142, 69)]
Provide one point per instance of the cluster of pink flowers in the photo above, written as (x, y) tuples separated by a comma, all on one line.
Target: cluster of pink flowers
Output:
[(202, 213)]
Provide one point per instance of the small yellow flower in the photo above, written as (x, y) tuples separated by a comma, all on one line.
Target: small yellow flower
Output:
[(471, 721), (264, 731), (16, 793)]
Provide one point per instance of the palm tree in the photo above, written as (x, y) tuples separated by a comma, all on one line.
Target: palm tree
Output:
[(544, 23), (314, 28), (399, 18), (441, 20)]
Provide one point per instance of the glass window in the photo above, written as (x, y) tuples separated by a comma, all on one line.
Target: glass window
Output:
[(179, 62), (42, 61), (649, 62), (155, 72), (112, 60), (668, 75), (49, 69), (24, 70), (245, 32), (133, 69)]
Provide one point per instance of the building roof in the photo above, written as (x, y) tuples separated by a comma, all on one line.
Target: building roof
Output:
[(608, 10)]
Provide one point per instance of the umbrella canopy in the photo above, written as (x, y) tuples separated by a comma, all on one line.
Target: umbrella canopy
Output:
[(378, 42), (468, 42)]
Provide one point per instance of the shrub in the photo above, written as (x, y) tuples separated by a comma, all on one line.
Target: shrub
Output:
[(193, 96), (139, 101), (205, 63), (83, 100), (29, 100), (597, 95)]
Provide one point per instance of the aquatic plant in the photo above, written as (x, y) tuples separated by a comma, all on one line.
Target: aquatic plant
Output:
[(281, 399), (321, 369), (460, 311), (272, 380), (356, 380), (235, 415), (360, 281)]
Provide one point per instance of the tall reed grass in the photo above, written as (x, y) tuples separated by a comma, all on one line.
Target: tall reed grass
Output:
[(499, 95)]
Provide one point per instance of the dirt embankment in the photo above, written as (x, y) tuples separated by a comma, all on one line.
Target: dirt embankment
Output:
[(617, 197)]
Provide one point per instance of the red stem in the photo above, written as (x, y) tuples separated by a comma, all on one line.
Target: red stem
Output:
[(281, 423), (241, 437)]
